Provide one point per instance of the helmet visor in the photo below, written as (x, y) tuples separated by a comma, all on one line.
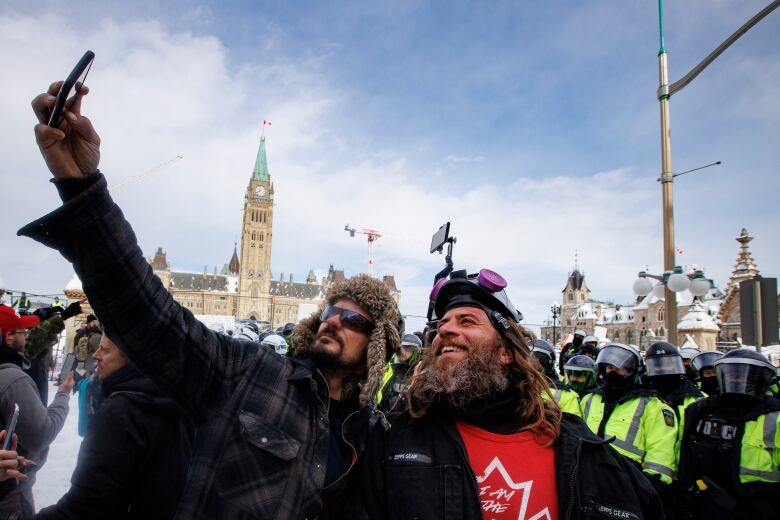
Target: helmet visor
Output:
[(619, 357), (705, 359), (664, 366), (743, 378)]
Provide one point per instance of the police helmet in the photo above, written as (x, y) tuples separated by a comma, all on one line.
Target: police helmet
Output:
[(689, 353), (619, 355), (577, 366), (246, 333), (288, 328), (663, 359), (276, 342), (545, 354), (484, 290), (590, 339), (411, 342), (706, 360), (580, 332), (744, 371)]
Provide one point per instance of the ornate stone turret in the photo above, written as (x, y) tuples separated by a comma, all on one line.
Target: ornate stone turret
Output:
[(745, 268)]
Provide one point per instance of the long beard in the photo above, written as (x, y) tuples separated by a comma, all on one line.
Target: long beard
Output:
[(476, 377)]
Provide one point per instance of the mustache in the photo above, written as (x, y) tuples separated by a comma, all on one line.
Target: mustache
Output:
[(454, 343), (333, 333)]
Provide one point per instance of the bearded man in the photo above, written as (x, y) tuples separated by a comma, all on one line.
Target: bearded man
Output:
[(279, 436), (479, 440)]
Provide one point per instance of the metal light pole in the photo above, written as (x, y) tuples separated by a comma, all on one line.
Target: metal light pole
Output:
[(665, 91), (555, 309)]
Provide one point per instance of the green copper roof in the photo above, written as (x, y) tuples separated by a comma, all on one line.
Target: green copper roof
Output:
[(260, 172)]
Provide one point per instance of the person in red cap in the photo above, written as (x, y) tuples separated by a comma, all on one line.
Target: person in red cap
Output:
[(38, 425)]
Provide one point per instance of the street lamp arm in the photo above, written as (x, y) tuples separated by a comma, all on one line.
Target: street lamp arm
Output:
[(682, 82)]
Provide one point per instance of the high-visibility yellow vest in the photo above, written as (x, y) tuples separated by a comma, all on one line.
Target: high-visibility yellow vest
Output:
[(687, 401), (645, 430), (760, 451), (387, 376), (567, 399)]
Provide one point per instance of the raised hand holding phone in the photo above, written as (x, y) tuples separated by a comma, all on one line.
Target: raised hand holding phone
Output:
[(11, 428), (71, 148)]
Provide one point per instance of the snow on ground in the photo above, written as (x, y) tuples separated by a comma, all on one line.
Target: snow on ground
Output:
[(53, 479)]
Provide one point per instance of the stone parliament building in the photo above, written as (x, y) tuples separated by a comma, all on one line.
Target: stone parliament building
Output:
[(243, 289), (708, 322)]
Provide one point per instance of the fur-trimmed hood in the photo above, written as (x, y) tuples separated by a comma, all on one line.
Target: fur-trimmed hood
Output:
[(375, 299)]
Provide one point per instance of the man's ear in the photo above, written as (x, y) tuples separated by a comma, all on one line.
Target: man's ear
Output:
[(504, 356)]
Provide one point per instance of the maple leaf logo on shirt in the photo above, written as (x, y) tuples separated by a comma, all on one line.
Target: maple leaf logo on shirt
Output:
[(497, 493)]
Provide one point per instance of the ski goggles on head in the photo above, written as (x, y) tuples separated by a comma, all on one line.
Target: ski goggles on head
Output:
[(349, 319), (484, 289)]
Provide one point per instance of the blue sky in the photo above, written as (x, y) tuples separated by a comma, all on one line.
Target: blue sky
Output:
[(532, 126)]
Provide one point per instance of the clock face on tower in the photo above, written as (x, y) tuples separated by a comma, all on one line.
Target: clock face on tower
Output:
[(260, 191)]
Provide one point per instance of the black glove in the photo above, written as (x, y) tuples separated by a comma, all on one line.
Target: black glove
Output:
[(44, 313), (74, 309)]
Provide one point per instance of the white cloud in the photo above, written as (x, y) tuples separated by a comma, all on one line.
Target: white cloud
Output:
[(157, 92)]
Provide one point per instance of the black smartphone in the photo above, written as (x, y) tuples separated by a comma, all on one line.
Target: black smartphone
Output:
[(440, 237), (11, 428), (67, 366), (74, 80)]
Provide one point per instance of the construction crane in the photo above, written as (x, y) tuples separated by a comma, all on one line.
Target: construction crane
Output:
[(136, 178), (372, 235)]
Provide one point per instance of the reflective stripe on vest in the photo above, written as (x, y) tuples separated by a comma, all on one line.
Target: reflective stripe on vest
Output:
[(769, 433), (627, 444), (558, 395), (770, 429), (586, 412), (663, 470), (767, 475)]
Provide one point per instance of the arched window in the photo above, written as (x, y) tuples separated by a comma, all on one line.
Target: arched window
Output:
[(661, 314), (616, 337)]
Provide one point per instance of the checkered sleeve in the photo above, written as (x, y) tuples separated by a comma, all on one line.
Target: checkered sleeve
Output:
[(197, 366)]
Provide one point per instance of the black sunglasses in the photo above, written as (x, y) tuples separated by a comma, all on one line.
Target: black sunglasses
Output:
[(348, 318)]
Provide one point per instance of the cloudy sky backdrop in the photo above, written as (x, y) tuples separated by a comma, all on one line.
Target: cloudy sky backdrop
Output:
[(532, 127)]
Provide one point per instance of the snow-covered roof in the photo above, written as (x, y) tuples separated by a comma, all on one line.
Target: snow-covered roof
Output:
[(684, 298), (611, 314), (74, 285), (697, 319)]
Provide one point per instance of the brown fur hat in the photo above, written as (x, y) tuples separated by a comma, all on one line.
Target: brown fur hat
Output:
[(375, 299)]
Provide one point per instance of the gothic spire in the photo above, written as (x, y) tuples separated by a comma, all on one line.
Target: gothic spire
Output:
[(260, 173), (234, 265)]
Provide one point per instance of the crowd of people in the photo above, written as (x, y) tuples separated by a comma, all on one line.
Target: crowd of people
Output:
[(353, 417)]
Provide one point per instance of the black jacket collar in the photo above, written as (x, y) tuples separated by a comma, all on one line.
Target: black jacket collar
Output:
[(9, 355)]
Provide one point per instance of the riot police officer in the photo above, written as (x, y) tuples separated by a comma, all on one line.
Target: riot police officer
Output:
[(730, 455), (570, 350), (666, 375), (580, 374), (644, 427), (704, 365), (688, 353), (590, 347), (567, 399), (397, 374)]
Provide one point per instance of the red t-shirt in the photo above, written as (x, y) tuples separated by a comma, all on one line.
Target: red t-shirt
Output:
[(515, 474)]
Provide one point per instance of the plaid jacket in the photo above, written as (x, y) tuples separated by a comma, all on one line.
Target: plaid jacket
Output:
[(262, 443)]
